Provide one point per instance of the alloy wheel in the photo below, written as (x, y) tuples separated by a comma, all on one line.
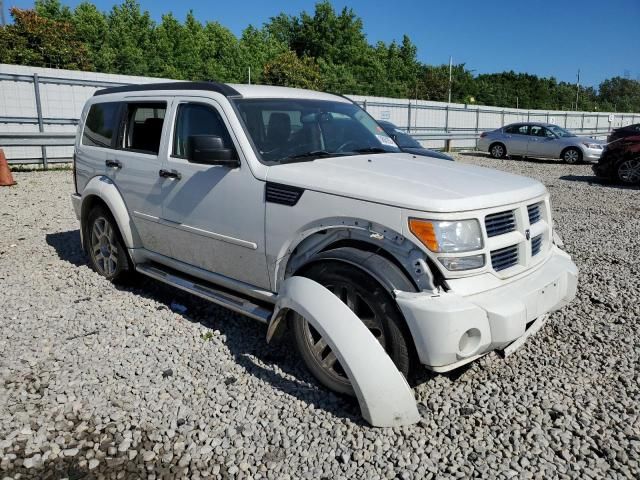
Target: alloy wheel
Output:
[(497, 151), (322, 353), (629, 171), (571, 156), (103, 246)]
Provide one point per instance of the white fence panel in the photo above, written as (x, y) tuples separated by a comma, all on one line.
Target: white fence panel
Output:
[(64, 92)]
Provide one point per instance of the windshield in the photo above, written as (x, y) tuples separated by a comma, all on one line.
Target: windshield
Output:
[(402, 139), (560, 132), (290, 130)]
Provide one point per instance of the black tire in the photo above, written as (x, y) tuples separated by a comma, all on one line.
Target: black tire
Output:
[(498, 150), (572, 156), (107, 252), (372, 304), (628, 171)]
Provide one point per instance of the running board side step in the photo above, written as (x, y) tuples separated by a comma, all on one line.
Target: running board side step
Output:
[(207, 291)]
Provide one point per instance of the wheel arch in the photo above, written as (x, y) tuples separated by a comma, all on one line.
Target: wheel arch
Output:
[(102, 191), (362, 236)]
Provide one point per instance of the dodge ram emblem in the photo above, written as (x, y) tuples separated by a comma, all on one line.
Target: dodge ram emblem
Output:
[(528, 234)]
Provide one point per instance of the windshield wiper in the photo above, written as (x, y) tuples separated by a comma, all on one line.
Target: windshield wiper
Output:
[(309, 156), (371, 150)]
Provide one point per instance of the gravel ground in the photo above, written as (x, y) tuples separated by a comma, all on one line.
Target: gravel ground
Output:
[(101, 381)]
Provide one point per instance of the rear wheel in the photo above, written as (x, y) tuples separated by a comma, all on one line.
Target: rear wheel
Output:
[(106, 248), (628, 171), (498, 150), (572, 156), (375, 308)]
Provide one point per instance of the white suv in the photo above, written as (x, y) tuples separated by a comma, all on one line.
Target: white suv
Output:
[(226, 191)]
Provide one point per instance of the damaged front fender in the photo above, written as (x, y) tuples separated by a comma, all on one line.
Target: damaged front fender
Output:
[(385, 398)]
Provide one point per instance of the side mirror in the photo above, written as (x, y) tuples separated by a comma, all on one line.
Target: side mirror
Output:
[(210, 150)]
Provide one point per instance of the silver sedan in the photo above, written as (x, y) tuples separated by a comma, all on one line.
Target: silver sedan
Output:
[(540, 140)]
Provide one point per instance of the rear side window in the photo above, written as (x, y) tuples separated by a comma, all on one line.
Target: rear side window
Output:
[(518, 129), (143, 129), (101, 124)]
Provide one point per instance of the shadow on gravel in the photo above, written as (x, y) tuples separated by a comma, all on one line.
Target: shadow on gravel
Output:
[(593, 180), (245, 338), (67, 246)]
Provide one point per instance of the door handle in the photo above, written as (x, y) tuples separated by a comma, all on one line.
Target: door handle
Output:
[(113, 163), (170, 174)]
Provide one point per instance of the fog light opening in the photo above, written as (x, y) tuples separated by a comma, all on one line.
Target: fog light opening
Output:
[(469, 341)]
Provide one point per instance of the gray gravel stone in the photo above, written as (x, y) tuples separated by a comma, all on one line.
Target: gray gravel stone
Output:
[(81, 368)]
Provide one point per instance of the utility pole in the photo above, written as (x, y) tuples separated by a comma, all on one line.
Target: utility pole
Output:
[(517, 102), (450, 72), (249, 75), (2, 20), (577, 89)]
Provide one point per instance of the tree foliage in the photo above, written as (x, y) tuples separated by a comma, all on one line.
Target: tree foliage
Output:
[(288, 70), (39, 41), (324, 49)]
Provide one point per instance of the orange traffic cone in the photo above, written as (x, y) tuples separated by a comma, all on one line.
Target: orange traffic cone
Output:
[(6, 179)]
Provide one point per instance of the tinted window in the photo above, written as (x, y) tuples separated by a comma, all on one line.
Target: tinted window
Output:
[(101, 124), (518, 129), (195, 119), (538, 131), (144, 127)]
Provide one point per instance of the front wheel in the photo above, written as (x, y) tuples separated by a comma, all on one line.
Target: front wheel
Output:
[(375, 308), (107, 252), (572, 156), (628, 171)]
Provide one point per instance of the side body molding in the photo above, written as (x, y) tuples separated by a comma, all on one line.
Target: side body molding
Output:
[(105, 189), (385, 398)]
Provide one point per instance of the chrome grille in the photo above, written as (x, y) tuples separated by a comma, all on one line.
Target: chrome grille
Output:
[(534, 213), (504, 258), (500, 223), (536, 245)]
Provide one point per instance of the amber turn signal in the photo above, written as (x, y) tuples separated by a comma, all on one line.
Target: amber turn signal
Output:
[(423, 229)]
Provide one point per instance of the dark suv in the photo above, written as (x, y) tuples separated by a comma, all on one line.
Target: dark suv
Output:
[(620, 159)]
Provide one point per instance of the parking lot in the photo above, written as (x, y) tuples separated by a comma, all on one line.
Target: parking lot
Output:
[(104, 381)]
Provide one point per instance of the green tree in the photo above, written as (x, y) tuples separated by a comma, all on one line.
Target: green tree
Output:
[(53, 10), (42, 42), (620, 94), (290, 71)]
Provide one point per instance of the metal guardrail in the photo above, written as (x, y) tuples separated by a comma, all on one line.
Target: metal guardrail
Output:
[(37, 139), (44, 139), (64, 139), (445, 133)]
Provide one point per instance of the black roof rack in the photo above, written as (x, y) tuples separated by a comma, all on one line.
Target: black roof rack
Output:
[(222, 88)]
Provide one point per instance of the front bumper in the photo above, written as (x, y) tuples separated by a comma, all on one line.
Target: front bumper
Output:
[(450, 330), (591, 155)]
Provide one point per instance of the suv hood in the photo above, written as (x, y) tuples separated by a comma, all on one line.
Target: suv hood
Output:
[(402, 180)]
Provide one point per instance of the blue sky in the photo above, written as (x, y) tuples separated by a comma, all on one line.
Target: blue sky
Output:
[(546, 38)]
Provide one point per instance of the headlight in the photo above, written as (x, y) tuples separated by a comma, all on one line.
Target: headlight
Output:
[(456, 264), (444, 236), (595, 146)]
